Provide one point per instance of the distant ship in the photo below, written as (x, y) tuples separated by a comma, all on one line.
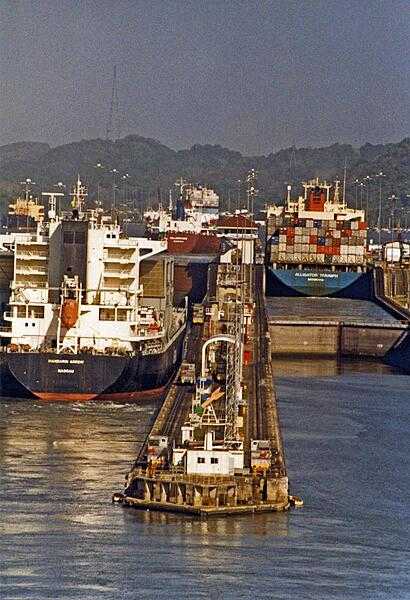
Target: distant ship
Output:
[(188, 227), (90, 311), (317, 245)]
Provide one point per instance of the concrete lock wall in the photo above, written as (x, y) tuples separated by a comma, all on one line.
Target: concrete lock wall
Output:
[(363, 341), (332, 339), (304, 339)]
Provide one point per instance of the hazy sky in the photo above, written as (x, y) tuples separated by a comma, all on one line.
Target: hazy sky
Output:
[(255, 76)]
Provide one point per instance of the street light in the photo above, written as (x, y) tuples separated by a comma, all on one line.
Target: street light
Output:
[(368, 179), (356, 183), (361, 195), (98, 166), (380, 175), (114, 172)]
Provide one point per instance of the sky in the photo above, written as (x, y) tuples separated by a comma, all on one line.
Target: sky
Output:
[(255, 76)]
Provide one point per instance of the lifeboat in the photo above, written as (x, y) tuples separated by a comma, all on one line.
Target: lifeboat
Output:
[(69, 313)]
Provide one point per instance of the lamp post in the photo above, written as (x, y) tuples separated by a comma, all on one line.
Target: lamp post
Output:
[(368, 179), (98, 166), (356, 183), (361, 195), (380, 175), (392, 211), (114, 173), (124, 193)]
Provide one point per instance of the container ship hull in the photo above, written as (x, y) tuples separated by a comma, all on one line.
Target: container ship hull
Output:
[(318, 282), (80, 377), (192, 243)]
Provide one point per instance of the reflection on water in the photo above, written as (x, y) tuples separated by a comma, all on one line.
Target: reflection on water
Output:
[(317, 366), (346, 438)]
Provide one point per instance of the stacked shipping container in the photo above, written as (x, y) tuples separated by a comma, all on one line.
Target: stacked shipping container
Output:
[(309, 241)]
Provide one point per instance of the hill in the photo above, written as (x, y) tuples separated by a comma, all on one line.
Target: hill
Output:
[(152, 166)]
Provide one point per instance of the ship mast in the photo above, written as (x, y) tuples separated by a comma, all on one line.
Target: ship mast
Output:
[(78, 194)]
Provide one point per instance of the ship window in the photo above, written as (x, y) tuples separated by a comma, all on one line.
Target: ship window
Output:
[(21, 312), (79, 237), (214, 461), (122, 314), (26, 324), (201, 460), (68, 237), (107, 314)]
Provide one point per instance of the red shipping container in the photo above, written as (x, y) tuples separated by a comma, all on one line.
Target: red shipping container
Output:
[(290, 231), (336, 242), (347, 233), (321, 249), (328, 250), (362, 225), (313, 239)]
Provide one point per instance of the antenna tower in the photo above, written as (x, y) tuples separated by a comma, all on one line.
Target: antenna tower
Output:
[(113, 128)]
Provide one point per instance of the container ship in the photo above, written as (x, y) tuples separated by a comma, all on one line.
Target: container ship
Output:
[(317, 245), (90, 311), (188, 227)]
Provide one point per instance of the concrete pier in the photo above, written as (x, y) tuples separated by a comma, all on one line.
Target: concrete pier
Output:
[(262, 483)]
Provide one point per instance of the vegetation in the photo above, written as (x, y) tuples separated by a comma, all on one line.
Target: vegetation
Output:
[(147, 169)]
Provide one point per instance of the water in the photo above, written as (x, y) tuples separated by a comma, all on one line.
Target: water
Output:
[(346, 438)]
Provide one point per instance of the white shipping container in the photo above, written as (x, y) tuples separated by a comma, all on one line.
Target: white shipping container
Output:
[(305, 248), (337, 234), (282, 238), (312, 248), (320, 258), (305, 239), (354, 225)]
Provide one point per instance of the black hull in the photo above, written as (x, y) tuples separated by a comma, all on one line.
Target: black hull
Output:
[(81, 377), (399, 355), (360, 288)]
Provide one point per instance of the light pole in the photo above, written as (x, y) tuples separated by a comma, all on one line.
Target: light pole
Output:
[(379, 218), (392, 211), (124, 193), (356, 183), (99, 167), (114, 173), (368, 180), (361, 195)]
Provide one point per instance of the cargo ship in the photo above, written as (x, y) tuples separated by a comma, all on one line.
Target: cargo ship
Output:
[(317, 245), (90, 311), (188, 227)]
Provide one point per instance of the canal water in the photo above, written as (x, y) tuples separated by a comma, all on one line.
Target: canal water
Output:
[(346, 434)]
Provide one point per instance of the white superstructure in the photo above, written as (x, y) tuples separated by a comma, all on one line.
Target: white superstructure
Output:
[(79, 284)]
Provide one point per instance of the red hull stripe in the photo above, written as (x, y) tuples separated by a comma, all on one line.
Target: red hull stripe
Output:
[(120, 396), (63, 397)]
